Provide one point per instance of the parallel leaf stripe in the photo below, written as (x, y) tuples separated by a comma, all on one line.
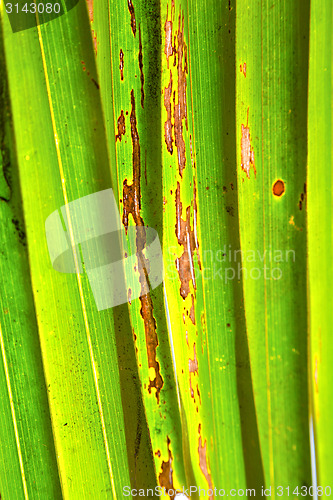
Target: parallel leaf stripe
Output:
[(84, 311), (12, 409)]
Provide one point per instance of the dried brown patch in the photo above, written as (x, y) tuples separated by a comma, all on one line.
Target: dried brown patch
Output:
[(168, 49), (180, 111), (193, 368), (132, 12), (187, 237), (202, 450), (278, 188), (142, 78), (121, 65), (192, 311), (168, 124), (132, 206), (165, 477), (121, 126), (247, 153)]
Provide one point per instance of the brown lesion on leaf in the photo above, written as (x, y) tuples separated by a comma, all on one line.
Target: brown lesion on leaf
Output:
[(192, 153), (180, 111), (168, 26), (132, 206), (242, 68), (168, 49), (168, 123), (192, 310), (187, 237), (90, 4), (302, 198), (193, 368), (278, 188), (132, 12), (202, 450), (165, 477), (121, 126), (247, 153), (199, 395), (142, 78), (121, 65)]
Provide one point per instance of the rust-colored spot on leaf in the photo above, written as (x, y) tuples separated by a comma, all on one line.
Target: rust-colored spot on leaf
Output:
[(247, 153), (187, 237), (168, 124), (133, 21), (142, 78), (278, 188), (192, 311), (199, 395), (132, 206), (202, 449), (165, 477), (121, 126), (121, 65), (193, 368), (90, 4), (243, 69), (180, 112)]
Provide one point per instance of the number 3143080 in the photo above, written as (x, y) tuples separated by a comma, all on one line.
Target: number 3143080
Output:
[(32, 8)]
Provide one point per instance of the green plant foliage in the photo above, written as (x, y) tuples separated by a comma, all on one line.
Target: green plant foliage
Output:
[(211, 122)]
